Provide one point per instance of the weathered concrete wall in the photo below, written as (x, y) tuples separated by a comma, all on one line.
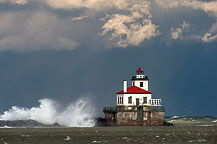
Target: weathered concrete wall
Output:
[(157, 118), (110, 118), (126, 118), (150, 118)]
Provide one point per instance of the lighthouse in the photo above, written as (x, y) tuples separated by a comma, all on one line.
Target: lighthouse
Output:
[(140, 80), (137, 94), (135, 105)]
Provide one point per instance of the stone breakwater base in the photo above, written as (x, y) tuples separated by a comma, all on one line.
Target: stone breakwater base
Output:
[(137, 117)]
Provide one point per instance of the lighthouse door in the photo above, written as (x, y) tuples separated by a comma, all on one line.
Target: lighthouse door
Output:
[(139, 114), (137, 101)]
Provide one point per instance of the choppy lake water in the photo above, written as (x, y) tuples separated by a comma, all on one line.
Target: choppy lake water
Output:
[(186, 130), (113, 135)]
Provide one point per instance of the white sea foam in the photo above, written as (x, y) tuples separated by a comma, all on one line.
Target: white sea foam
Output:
[(4, 142), (5, 127), (175, 117), (214, 121), (206, 125), (77, 114), (201, 140), (68, 138)]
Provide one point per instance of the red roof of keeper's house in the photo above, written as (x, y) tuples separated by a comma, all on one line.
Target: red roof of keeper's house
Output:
[(134, 90), (139, 70)]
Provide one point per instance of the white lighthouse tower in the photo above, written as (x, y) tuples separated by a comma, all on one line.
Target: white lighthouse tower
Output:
[(140, 80), (137, 94)]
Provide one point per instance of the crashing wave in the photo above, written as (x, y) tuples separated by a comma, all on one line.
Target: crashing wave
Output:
[(77, 114)]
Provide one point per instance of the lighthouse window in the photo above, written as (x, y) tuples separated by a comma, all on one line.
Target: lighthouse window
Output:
[(130, 100), (121, 100), (141, 84), (144, 100)]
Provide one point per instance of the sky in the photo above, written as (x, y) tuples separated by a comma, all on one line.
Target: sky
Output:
[(84, 49)]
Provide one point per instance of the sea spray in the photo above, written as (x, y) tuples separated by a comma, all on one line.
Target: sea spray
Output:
[(49, 112), (77, 114)]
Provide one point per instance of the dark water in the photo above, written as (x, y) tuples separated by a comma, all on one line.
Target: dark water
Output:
[(199, 121), (112, 135), (186, 130)]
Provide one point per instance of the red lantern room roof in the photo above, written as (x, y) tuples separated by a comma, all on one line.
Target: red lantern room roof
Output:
[(134, 90), (139, 70)]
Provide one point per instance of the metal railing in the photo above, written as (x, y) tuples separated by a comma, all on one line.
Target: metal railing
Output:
[(156, 102), (158, 108), (125, 109), (135, 78), (109, 109)]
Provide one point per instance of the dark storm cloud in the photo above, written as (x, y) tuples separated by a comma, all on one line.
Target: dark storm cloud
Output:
[(47, 24), (65, 51)]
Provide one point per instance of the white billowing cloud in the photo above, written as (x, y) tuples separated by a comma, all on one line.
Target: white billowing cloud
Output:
[(211, 35), (91, 4), (129, 27), (214, 28), (40, 30), (79, 18), (208, 37), (19, 2), (122, 23), (134, 24), (177, 33), (127, 30), (208, 6), (33, 31)]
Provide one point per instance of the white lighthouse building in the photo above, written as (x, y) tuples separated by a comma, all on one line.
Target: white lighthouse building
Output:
[(135, 105), (137, 94)]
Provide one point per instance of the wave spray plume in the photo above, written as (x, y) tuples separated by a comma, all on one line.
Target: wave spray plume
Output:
[(77, 114)]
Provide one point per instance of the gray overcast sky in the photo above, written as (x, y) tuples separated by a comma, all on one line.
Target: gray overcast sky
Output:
[(64, 51)]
